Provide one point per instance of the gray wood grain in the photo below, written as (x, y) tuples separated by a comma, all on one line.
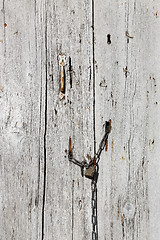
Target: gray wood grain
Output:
[(127, 93), (21, 122), (68, 195), (42, 194)]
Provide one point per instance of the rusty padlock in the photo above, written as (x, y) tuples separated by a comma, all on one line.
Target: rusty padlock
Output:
[(89, 173)]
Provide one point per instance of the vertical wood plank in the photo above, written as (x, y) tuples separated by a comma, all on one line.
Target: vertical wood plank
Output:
[(21, 120), (68, 195), (153, 100), (126, 54)]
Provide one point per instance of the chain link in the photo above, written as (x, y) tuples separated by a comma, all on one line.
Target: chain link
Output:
[(83, 165), (94, 183), (101, 145), (94, 209), (96, 157)]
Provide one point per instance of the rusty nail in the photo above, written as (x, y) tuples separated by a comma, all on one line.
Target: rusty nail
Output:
[(62, 63), (70, 148)]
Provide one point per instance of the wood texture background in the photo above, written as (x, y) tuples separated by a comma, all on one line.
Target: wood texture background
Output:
[(43, 195)]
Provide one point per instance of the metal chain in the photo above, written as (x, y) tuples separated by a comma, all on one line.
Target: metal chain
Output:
[(94, 188), (94, 210), (75, 161), (101, 147), (94, 183), (83, 165), (96, 156)]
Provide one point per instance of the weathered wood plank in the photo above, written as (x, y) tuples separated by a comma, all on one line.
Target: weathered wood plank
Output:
[(127, 92), (21, 121), (68, 195)]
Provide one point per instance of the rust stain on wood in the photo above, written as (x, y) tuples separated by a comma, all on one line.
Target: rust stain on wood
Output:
[(89, 157), (62, 83), (62, 63), (106, 148), (70, 147), (112, 150), (118, 213)]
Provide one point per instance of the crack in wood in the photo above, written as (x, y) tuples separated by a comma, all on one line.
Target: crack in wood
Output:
[(4, 31), (72, 209), (70, 71), (45, 140), (93, 62)]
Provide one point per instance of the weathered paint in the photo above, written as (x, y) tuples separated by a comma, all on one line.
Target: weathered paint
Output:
[(130, 181), (112, 72)]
